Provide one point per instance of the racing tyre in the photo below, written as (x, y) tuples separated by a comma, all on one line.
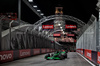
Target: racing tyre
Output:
[(65, 55), (61, 57)]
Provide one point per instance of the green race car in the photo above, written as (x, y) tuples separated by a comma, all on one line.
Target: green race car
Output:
[(59, 55)]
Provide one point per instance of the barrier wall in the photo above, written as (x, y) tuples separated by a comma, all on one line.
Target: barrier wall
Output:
[(93, 56), (89, 40), (6, 56), (88, 35)]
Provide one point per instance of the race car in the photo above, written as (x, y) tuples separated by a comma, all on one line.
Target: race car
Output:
[(64, 53), (58, 55)]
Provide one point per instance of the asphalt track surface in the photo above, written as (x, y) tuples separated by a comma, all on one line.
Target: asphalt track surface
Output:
[(73, 60)]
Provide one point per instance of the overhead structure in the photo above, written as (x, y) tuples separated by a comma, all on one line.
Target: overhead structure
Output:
[(59, 23), (52, 17), (33, 8)]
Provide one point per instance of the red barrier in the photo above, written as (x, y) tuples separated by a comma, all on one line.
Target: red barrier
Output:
[(36, 51), (43, 50), (98, 57), (6, 56), (48, 50), (81, 51), (24, 53), (78, 50), (88, 54), (53, 50)]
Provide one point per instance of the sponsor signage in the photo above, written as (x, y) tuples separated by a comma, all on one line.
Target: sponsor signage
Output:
[(47, 27), (98, 57), (48, 50), (81, 51), (36, 51), (6, 56), (56, 34), (43, 50), (71, 27), (77, 50), (24, 53), (88, 54), (53, 50), (70, 34)]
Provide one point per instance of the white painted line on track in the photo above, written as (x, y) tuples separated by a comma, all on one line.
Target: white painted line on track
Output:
[(87, 60)]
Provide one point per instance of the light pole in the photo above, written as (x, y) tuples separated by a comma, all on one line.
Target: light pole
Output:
[(19, 11), (97, 27)]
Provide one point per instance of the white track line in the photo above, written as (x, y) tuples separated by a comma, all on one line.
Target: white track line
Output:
[(87, 60)]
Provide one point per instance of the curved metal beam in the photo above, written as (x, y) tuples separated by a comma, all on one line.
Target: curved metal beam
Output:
[(65, 17)]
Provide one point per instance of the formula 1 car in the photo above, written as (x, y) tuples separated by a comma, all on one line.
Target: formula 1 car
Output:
[(59, 55)]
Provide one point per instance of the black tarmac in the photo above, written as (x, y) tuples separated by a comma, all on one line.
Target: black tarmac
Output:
[(73, 60)]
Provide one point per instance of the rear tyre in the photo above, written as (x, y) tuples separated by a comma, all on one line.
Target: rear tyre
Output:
[(65, 56), (61, 57)]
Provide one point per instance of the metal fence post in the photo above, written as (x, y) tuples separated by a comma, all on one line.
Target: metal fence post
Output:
[(98, 26), (1, 32), (0, 35), (98, 9), (10, 32)]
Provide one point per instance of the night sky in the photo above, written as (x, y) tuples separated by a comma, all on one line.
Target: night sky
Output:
[(81, 9)]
